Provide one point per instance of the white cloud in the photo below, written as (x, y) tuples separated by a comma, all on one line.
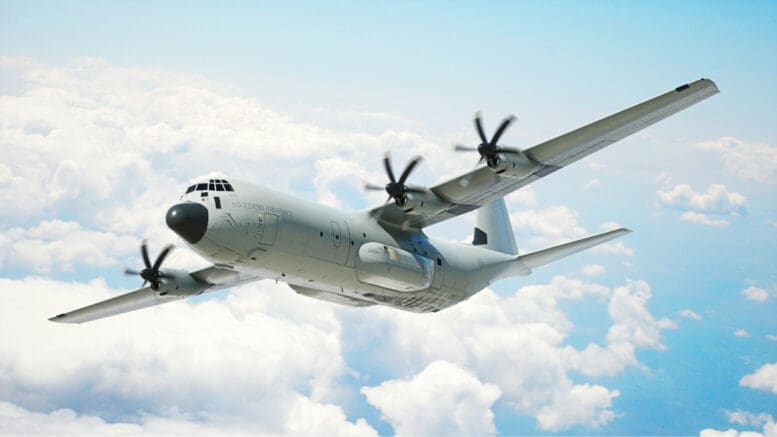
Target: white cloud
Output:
[(593, 184), (765, 378), (443, 399), (703, 219), (755, 161), (771, 337), (549, 226), (741, 333), (593, 270), (250, 360), (59, 245), (616, 248), (742, 417), (517, 343), (610, 225), (89, 139), (745, 418), (587, 404), (634, 324), (690, 314), (755, 294), (717, 199)]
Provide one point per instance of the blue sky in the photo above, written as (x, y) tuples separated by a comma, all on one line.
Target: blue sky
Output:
[(109, 109)]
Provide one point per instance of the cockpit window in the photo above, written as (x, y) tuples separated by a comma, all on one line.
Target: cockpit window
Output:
[(212, 185)]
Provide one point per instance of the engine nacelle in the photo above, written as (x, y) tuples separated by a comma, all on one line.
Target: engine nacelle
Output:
[(515, 165), (180, 283), (393, 268)]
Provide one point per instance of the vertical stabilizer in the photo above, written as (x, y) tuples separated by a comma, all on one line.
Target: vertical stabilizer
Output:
[(493, 229)]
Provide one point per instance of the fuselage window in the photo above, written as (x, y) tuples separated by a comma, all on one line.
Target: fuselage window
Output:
[(190, 189), (202, 187), (228, 187), (211, 187), (219, 187)]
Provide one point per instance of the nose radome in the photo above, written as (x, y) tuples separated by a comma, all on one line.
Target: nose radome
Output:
[(189, 220)]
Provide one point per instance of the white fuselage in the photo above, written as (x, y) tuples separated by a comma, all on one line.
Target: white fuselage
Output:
[(339, 256)]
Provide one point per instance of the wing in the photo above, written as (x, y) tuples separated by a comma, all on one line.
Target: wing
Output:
[(204, 280), (482, 185)]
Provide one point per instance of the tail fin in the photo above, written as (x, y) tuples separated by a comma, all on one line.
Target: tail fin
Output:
[(545, 256), (493, 229)]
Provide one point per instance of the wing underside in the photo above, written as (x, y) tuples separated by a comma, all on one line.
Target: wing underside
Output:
[(482, 185), (211, 278)]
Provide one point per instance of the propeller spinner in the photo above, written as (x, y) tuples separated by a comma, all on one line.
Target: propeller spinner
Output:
[(151, 273), (397, 189), (490, 150)]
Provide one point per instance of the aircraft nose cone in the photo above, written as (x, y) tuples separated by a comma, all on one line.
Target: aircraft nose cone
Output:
[(189, 220)]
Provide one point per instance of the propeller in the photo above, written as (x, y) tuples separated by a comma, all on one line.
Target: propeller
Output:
[(151, 273), (490, 150), (396, 188)]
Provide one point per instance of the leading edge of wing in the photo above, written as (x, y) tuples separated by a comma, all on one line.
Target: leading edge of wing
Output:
[(467, 192), (209, 279), (134, 300)]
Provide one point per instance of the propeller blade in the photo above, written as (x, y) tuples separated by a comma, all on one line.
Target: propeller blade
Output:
[(131, 272), (409, 169), (507, 121), (415, 190), (144, 284), (460, 148), (509, 150), (387, 165), (479, 127), (166, 275), (144, 252), (162, 256), (371, 187)]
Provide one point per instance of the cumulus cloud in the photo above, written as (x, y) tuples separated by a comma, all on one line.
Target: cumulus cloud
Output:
[(249, 360), (88, 138), (593, 184), (741, 333), (754, 161), (59, 245), (717, 199), (703, 219), (763, 420), (548, 226), (690, 314), (443, 399), (614, 248), (756, 294), (765, 378), (517, 343), (593, 270)]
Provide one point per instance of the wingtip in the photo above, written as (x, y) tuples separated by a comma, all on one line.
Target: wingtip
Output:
[(58, 318)]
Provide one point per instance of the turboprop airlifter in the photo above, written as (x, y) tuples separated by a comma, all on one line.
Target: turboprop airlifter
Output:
[(379, 256)]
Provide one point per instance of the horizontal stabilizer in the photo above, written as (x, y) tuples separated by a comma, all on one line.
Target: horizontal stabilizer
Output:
[(546, 256)]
